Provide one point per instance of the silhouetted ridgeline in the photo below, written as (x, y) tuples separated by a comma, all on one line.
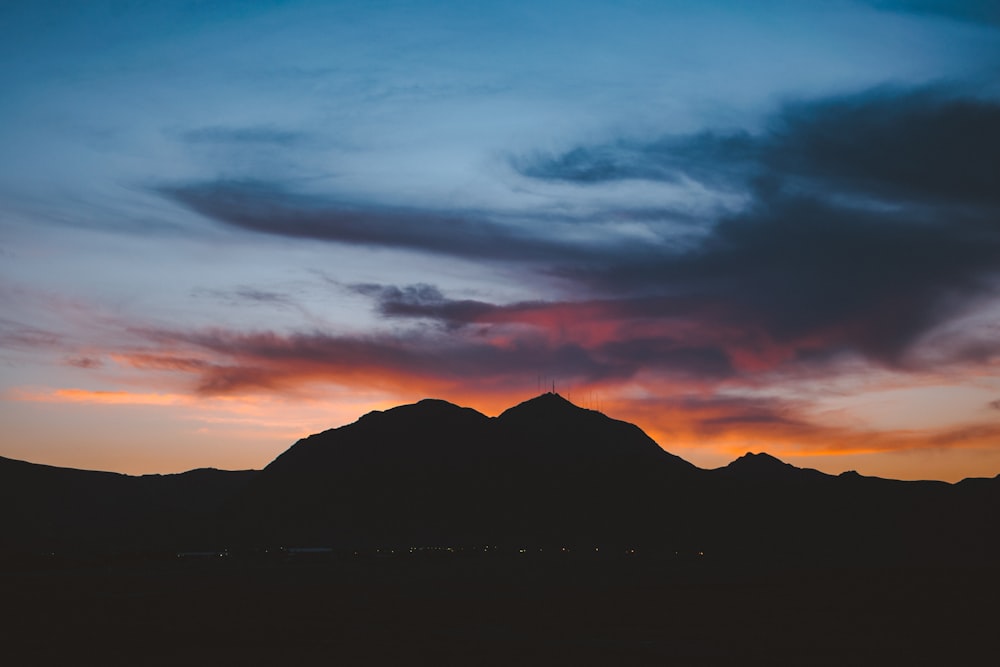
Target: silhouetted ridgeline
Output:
[(45, 508), (545, 474)]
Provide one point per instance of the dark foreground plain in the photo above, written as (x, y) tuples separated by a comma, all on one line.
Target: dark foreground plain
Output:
[(514, 609)]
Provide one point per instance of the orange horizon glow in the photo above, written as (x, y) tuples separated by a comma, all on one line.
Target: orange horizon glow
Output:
[(700, 434)]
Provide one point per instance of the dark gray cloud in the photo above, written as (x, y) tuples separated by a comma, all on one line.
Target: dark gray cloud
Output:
[(427, 301), (794, 280), (874, 218), (270, 209), (926, 145), (800, 268), (623, 352)]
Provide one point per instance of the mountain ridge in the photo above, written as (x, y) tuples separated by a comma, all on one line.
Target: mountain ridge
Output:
[(543, 472), (735, 464)]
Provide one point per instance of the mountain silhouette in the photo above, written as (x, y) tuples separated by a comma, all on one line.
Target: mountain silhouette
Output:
[(50, 508), (765, 468), (544, 474)]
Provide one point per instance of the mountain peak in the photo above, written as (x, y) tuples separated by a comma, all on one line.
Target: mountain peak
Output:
[(425, 408), (764, 467), (548, 398), (758, 461), (549, 403)]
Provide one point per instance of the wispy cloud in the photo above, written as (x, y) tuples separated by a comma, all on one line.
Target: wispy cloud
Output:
[(929, 145), (86, 363), (269, 208), (251, 134), (247, 295), (15, 335), (102, 397), (241, 362)]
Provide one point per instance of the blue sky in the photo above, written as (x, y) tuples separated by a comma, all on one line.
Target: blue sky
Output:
[(766, 226)]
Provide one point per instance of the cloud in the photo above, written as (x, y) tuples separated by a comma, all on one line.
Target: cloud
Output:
[(84, 362), (873, 220), (246, 295), (426, 301), (800, 269), (270, 209), (776, 300), (251, 134), (736, 424), (162, 361), (99, 397), (19, 336), (926, 144), (626, 335), (719, 159), (422, 300), (224, 361)]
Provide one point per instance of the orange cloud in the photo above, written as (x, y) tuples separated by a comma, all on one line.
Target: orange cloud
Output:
[(104, 397), (690, 387), (735, 426)]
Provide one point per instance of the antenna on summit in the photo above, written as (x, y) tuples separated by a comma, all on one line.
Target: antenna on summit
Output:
[(553, 386)]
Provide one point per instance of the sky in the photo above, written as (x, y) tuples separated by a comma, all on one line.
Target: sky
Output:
[(768, 226)]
